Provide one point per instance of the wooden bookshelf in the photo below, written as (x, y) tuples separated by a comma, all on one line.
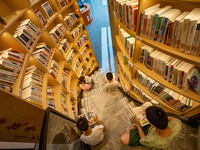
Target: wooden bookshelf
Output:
[(16, 12), (183, 5)]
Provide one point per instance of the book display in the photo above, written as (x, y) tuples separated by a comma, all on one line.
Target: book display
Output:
[(43, 52), (158, 52)]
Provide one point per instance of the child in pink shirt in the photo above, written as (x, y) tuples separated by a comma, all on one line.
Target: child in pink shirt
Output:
[(85, 83)]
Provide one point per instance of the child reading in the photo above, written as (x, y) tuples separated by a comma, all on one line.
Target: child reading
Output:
[(111, 82), (158, 135), (91, 136), (85, 83)]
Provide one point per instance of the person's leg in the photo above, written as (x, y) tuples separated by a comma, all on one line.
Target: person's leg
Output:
[(124, 139)]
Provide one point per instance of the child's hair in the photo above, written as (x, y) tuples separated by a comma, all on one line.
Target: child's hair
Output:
[(157, 117), (81, 79), (109, 76), (82, 124)]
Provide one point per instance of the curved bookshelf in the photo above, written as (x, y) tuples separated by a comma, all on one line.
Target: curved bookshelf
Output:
[(174, 52), (26, 12)]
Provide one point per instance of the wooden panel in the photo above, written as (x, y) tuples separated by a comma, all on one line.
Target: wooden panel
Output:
[(20, 120)]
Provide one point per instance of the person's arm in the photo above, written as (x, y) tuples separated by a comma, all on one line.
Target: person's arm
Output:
[(96, 119), (141, 132)]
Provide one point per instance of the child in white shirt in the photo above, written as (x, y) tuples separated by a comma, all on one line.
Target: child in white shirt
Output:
[(91, 136)]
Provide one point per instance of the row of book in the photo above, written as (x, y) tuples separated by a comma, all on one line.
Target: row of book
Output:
[(50, 97), (90, 66), (124, 74), (70, 19), (70, 57), (10, 66), (63, 3), (172, 27), (84, 51), (127, 12), (63, 46), (87, 60), (54, 69), (42, 54), (143, 95), (58, 32), (169, 96), (127, 62), (171, 69), (65, 75), (80, 41), (26, 33), (77, 64), (32, 85), (64, 103), (82, 72), (128, 42), (73, 107), (77, 31)]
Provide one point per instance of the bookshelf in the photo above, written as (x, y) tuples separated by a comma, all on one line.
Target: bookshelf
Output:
[(15, 13), (140, 41)]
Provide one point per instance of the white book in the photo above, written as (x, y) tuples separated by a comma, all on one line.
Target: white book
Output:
[(47, 8)]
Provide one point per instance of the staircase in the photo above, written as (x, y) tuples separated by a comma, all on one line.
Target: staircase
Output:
[(112, 110)]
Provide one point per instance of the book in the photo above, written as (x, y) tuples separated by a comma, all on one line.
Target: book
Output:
[(40, 17), (47, 8), (194, 80), (89, 116), (140, 113), (62, 3)]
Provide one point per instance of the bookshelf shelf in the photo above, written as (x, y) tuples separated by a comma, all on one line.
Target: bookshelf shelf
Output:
[(80, 50), (50, 20), (94, 66), (72, 26), (119, 43), (124, 80), (137, 96), (174, 52), (79, 36), (189, 93), (18, 12), (154, 96), (183, 5), (125, 67), (89, 51), (90, 61)]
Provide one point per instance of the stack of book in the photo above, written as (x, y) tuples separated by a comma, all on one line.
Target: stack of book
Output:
[(81, 41), (50, 97), (64, 103), (65, 75), (172, 27), (32, 85), (70, 57), (77, 64), (70, 19), (90, 67), (82, 72), (10, 65), (143, 95), (171, 69), (26, 33), (128, 42), (84, 51), (43, 54), (170, 97), (63, 46), (57, 32), (77, 31), (40, 17), (127, 11), (54, 68)]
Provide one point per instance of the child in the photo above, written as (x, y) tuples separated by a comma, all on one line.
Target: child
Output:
[(159, 135), (111, 82), (85, 83), (91, 136)]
